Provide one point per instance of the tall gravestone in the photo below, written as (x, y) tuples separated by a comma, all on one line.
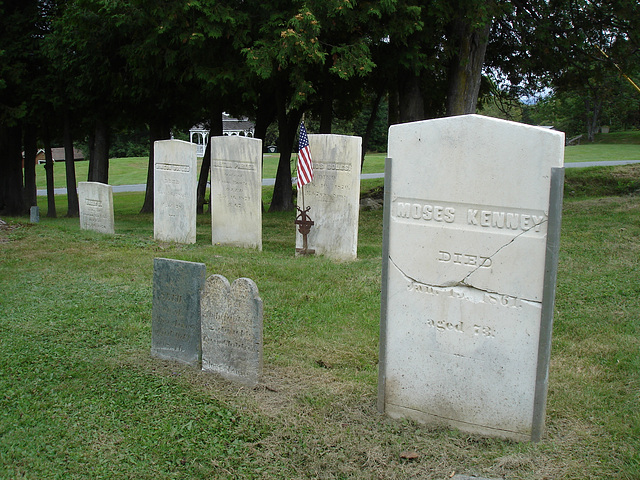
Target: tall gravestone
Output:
[(175, 324), (472, 223), (174, 203), (236, 191), (95, 201), (232, 329), (333, 196)]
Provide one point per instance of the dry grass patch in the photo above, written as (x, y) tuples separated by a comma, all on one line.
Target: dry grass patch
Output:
[(322, 426)]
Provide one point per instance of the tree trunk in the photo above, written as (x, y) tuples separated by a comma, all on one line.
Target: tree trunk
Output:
[(99, 161), (48, 167), (592, 108), (326, 113), (30, 152), (204, 176), (370, 124), (265, 115), (73, 209), (11, 199), (282, 199), (410, 100), (465, 67), (393, 117), (158, 130), (214, 130)]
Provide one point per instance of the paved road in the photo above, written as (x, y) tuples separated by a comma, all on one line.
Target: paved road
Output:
[(271, 181)]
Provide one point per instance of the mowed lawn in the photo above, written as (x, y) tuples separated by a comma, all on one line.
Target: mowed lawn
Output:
[(131, 171), (81, 397)]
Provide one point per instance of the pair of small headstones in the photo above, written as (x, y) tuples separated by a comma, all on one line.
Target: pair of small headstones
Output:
[(210, 320)]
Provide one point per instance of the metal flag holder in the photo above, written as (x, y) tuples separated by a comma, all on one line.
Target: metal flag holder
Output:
[(304, 223)]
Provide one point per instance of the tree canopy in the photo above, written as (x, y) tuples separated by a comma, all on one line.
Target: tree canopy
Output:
[(97, 66)]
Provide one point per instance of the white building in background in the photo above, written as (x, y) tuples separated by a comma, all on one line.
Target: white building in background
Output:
[(199, 134)]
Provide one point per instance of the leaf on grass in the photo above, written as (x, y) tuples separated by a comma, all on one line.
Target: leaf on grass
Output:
[(323, 364), (409, 455)]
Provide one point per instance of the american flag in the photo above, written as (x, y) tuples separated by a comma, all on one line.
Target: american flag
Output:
[(305, 165)]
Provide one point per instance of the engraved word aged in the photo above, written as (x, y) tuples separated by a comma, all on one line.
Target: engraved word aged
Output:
[(441, 325)]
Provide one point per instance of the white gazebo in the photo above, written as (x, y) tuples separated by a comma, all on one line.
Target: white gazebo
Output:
[(199, 134)]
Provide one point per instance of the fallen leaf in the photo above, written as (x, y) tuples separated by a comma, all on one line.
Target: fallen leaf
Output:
[(409, 455)]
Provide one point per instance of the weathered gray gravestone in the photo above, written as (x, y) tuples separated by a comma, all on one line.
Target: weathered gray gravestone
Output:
[(175, 328), (236, 191), (174, 201), (232, 329), (34, 214), (471, 233), (334, 196), (95, 201)]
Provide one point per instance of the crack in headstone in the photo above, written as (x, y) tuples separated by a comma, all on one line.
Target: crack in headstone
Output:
[(463, 282), (460, 284)]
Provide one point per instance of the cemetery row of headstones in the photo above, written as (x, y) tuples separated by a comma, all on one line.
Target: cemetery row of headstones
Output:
[(206, 322), (470, 252), (236, 194)]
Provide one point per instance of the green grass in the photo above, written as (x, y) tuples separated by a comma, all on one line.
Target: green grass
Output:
[(80, 396), (133, 170), (598, 152), (130, 171)]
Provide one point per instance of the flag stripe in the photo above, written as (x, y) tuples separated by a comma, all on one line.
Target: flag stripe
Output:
[(305, 163)]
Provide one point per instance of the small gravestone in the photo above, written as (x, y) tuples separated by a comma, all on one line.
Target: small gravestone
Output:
[(236, 191), (472, 222), (175, 327), (174, 201), (95, 201), (232, 329), (34, 214), (333, 196)]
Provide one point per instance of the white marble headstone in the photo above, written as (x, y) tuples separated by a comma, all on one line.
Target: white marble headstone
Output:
[(175, 180), (334, 196), (95, 201), (472, 212), (236, 191), (232, 329)]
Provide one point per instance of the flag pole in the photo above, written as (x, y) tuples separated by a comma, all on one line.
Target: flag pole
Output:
[(302, 186), (305, 175)]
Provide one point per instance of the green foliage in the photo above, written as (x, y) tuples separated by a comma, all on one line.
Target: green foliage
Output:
[(20, 35), (579, 50), (565, 112), (129, 143)]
